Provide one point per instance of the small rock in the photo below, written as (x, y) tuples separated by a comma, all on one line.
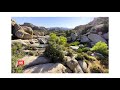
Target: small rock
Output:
[(74, 47), (81, 46)]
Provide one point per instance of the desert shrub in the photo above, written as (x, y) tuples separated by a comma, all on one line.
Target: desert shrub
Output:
[(67, 45), (100, 47), (95, 69), (62, 34), (84, 49), (15, 69), (70, 53), (87, 57), (16, 48), (54, 52), (55, 48), (79, 50), (104, 62), (68, 33), (29, 47), (54, 39), (17, 53), (89, 52), (31, 53), (79, 56), (63, 40), (76, 43)]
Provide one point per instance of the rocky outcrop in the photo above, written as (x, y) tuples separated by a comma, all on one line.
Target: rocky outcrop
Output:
[(34, 60), (96, 38), (83, 65), (84, 39), (48, 68), (105, 36), (23, 35), (73, 64), (93, 32), (43, 39), (21, 32), (98, 55), (34, 27), (23, 42), (99, 20), (73, 36)]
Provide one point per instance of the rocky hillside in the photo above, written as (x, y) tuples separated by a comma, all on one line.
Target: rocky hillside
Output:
[(34, 27), (81, 50), (93, 32)]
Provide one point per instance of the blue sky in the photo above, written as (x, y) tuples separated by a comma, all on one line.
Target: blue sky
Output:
[(69, 22)]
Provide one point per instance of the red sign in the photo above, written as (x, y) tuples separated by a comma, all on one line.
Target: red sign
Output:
[(20, 62)]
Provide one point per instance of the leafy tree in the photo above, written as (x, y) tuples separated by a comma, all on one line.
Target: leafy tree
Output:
[(63, 40), (55, 48), (100, 47)]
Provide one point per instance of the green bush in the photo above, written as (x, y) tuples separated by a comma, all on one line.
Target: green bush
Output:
[(83, 56), (89, 52), (17, 53), (63, 40), (84, 49), (79, 50), (87, 57), (68, 33), (100, 47), (55, 48), (54, 39), (76, 43), (67, 45), (16, 48), (54, 52), (70, 52), (80, 56)]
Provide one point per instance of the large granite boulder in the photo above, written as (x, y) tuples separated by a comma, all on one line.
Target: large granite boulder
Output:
[(96, 38), (21, 32), (105, 36), (83, 65), (34, 60), (84, 39), (73, 36), (73, 64), (48, 68)]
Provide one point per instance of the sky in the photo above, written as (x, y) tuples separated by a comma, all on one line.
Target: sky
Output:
[(68, 22)]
